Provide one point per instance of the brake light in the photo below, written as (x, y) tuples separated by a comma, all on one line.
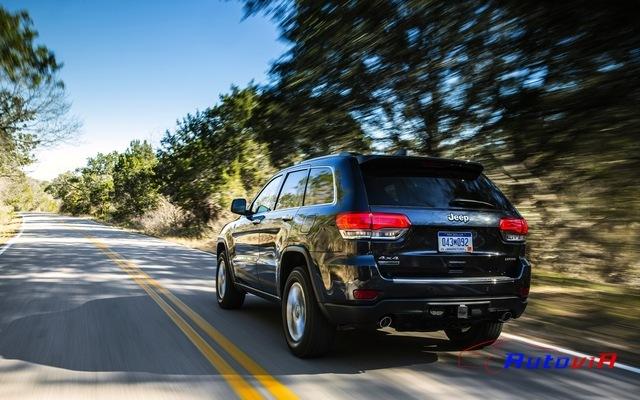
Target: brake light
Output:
[(388, 226), (514, 229)]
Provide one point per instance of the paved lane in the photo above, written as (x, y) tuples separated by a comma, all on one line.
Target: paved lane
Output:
[(88, 311)]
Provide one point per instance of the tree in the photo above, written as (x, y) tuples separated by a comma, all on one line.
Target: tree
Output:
[(544, 94), (88, 190), (97, 178), (213, 156), (33, 107), (296, 128), (427, 74), (387, 63), (134, 181), (71, 190)]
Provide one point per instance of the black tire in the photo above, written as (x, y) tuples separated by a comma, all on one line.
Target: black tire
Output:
[(228, 296), (316, 335), (477, 336)]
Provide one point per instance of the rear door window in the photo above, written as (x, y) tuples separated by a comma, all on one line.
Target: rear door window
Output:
[(432, 189), (320, 187), (292, 192)]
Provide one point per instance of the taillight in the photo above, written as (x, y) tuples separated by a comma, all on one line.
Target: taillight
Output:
[(514, 229), (365, 294), (353, 225)]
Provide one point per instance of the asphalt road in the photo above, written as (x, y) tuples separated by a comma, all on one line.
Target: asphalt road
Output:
[(89, 311)]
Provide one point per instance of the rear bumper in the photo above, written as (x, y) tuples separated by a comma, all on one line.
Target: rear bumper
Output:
[(428, 304), (426, 313)]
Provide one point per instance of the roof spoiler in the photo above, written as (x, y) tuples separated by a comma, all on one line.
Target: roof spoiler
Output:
[(394, 164)]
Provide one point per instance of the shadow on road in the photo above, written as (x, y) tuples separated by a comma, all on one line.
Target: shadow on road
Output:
[(131, 334), (117, 334), (257, 329)]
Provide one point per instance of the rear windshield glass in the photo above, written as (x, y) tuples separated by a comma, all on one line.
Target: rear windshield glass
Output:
[(432, 189)]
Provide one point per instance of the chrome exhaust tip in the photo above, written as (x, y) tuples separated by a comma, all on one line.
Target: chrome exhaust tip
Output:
[(505, 317), (385, 322)]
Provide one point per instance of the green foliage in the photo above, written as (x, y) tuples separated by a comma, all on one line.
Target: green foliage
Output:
[(544, 94), (33, 108), (134, 182), (18, 194), (97, 178), (20, 62), (214, 156), (428, 74), (71, 190), (296, 127), (88, 190), (21, 193), (20, 58), (111, 185)]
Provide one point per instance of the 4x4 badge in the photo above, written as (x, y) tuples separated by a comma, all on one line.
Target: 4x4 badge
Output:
[(389, 260), (458, 217)]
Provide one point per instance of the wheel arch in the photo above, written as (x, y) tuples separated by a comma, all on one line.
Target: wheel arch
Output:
[(295, 256), (221, 247)]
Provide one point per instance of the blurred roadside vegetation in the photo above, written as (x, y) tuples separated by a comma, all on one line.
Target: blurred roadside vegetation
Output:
[(583, 314), (546, 95), (9, 222), (34, 112)]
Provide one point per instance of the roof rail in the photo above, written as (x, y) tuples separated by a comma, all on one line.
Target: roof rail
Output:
[(341, 154)]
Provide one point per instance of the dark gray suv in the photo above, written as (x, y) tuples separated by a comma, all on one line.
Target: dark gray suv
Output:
[(372, 241)]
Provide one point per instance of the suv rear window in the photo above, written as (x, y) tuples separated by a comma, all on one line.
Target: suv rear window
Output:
[(319, 187), (432, 189)]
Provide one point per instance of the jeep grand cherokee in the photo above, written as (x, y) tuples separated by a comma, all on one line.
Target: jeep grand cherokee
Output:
[(348, 240)]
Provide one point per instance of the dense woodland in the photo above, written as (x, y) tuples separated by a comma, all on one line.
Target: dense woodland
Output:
[(546, 95)]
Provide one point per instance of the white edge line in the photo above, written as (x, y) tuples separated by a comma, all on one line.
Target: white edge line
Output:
[(13, 239), (567, 351)]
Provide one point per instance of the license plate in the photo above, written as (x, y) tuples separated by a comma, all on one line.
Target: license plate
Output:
[(455, 242)]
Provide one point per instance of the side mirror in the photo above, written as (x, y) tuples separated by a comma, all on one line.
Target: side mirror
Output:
[(239, 206)]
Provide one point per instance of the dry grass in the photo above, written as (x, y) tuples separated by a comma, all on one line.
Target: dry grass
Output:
[(207, 244), (584, 315), (9, 225), (165, 220), (172, 223)]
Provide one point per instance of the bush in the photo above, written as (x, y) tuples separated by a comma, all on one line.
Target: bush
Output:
[(164, 220), (6, 215)]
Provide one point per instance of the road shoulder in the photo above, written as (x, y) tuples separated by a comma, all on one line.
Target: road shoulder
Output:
[(10, 231)]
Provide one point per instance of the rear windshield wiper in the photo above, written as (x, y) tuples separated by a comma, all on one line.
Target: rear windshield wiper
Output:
[(476, 203)]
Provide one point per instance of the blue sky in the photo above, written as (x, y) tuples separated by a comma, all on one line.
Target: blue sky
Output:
[(132, 68)]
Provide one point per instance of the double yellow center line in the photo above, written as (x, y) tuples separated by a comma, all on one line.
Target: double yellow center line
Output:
[(237, 382)]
